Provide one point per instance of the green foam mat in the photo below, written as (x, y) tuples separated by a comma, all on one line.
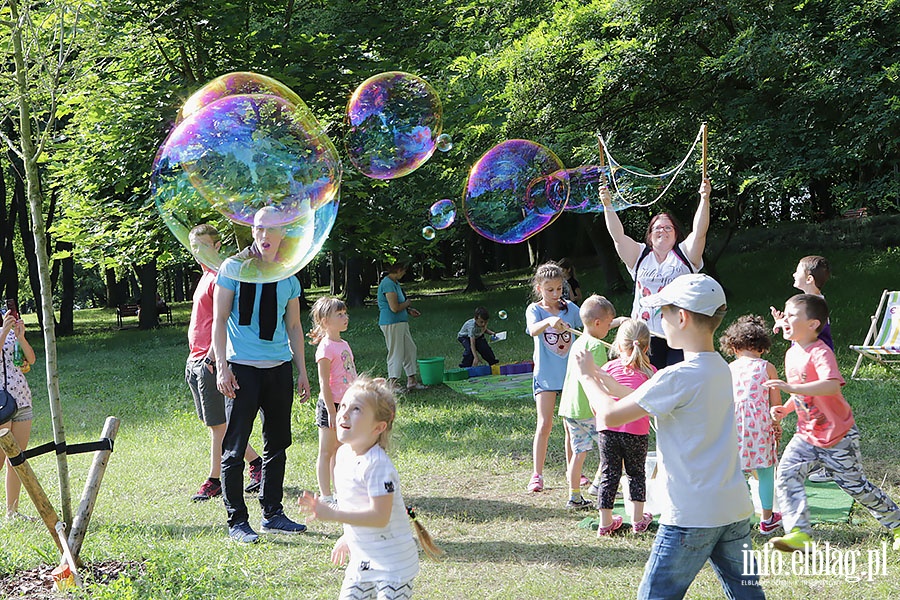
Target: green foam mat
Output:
[(495, 387), (827, 504)]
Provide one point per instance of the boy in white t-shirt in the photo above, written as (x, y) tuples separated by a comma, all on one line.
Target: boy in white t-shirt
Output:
[(706, 503)]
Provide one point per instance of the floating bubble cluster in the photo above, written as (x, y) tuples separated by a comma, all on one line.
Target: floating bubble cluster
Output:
[(516, 189), (444, 142), (252, 165), (393, 122), (428, 232), (442, 214), (585, 183), (502, 314)]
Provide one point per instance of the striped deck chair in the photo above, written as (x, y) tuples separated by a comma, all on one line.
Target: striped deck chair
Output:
[(884, 347)]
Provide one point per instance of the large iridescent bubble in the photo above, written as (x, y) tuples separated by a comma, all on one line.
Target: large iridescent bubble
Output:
[(516, 189), (250, 164), (585, 183), (442, 214), (393, 121), (233, 84)]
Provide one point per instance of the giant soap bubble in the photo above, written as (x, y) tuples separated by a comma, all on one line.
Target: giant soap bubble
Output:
[(516, 189), (393, 121), (233, 84), (250, 165)]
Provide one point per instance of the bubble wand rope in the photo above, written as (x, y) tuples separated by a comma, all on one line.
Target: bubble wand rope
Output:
[(671, 172)]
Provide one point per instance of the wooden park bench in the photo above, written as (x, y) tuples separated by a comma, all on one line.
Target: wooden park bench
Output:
[(126, 310), (132, 310), (855, 213)]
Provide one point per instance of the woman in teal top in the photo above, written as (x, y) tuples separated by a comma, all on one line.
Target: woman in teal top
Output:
[(394, 311)]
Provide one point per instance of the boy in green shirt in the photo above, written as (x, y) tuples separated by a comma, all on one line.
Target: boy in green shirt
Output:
[(597, 314)]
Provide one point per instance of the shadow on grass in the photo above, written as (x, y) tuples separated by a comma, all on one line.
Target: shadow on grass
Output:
[(501, 551), (479, 511)]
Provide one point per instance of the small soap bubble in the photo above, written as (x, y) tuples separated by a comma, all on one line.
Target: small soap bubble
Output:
[(442, 214), (444, 142), (502, 314), (428, 232), (393, 121), (516, 189)]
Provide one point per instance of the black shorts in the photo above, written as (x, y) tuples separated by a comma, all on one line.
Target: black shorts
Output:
[(322, 413)]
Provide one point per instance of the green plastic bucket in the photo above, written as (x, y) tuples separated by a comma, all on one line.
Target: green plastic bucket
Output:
[(431, 370)]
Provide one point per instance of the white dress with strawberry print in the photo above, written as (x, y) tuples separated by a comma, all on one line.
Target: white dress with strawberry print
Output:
[(751, 413)]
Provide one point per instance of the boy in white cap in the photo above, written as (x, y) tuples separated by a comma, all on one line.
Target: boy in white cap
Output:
[(706, 503)]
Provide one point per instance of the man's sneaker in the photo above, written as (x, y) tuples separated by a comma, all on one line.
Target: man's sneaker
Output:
[(594, 489), (209, 489), (768, 527), (536, 484), (795, 541), (642, 525), (819, 476), (279, 523), (255, 479), (243, 533), (580, 504)]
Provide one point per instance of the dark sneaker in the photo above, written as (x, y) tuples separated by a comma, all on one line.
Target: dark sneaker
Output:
[(580, 504), (279, 523), (209, 489), (243, 533), (255, 479)]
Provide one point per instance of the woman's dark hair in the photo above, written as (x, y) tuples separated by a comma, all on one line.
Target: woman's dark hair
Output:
[(396, 267), (679, 229)]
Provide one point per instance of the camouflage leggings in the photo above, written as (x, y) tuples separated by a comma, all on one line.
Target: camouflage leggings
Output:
[(843, 463)]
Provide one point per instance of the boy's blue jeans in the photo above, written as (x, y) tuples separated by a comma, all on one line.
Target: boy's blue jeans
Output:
[(679, 553)]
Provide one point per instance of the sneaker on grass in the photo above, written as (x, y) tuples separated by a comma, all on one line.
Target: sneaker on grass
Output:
[(209, 489), (795, 541), (243, 533), (536, 484), (279, 523), (769, 526), (579, 504), (255, 478)]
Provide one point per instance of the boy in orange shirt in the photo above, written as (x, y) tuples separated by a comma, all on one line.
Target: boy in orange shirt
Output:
[(826, 431)]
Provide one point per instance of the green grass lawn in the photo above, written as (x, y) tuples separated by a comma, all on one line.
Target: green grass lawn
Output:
[(463, 461)]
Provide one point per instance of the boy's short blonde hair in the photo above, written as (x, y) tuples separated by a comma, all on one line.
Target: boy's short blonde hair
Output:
[(707, 323), (596, 307)]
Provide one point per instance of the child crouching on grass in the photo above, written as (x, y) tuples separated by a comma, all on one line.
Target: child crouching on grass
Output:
[(383, 558), (473, 340), (826, 431)]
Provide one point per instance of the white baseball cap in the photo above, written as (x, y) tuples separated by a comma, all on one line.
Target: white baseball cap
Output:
[(696, 292)]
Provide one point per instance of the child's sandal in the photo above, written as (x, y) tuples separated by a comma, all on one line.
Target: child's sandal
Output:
[(616, 523)]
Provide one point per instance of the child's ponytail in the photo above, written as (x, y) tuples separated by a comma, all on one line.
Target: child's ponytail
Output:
[(425, 540), (634, 336)]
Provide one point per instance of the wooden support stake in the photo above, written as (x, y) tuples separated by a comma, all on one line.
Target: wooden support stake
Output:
[(91, 489), (67, 555), (31, 485)]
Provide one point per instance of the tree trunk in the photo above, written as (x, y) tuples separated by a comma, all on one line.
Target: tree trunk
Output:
[(25, 230), (29, 155), (9, 270), (147, 274), (112, 289), (473, 268), (606, 251), (178, 291), (66, 325), (354, 291)]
